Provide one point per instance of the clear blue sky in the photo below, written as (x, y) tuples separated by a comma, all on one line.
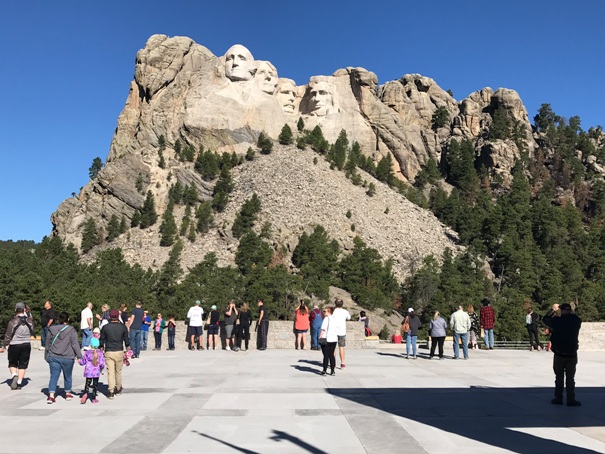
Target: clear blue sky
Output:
[(67, 65)]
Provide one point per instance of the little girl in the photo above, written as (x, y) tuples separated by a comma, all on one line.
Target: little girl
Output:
[(93, 361)]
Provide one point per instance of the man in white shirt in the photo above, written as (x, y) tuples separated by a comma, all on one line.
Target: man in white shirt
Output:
[(341, 315), (86, 325), (196, 325), (461, 325)]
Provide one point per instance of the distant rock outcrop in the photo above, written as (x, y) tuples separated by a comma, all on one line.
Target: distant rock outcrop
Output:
[(182, 92)]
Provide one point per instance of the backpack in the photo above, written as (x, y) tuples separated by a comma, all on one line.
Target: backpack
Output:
[(22, 321), (405, 326)]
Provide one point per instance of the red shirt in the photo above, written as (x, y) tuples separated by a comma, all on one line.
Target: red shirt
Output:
[(302, 320), (488, 317)]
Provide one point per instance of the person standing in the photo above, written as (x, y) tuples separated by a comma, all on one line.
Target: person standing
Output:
[(135, 324), (461, 324), (214, 319), (124, 313), (301, 325), (171, 332), (315, 319), (145, 330), (94, 362), (328, 340), (262, 326), (474, 331), (62, 349), (488, 321), (341, 315), (195, 315), (412, 335), (114, 340), (19, 331), (531, 323), (564, 338), (229, 319), (245, 320), (158, 328), (437, 328), (49, 316), (86, 325), (103, 319)]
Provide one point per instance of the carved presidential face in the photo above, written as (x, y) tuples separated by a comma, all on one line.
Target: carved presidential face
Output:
[(322, 100), (266, 77), (286, 95), (239, 63)]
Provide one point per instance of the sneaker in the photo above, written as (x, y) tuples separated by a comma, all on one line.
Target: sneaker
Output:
[(557, 401), (332, 373), (119, 391), (14, 383), (342, 366), (40, 348), (228, 348), (110, 396), (19, 387), (50, 400), (323, 372), (83, 399), (95, 401), (573, 403), (69, 396)]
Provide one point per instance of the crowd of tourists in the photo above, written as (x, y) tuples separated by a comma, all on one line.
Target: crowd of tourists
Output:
[(121, 335)]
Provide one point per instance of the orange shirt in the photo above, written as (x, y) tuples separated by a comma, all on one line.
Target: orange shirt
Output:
[(302, 320)]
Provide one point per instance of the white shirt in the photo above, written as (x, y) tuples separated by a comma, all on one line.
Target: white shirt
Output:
[(341, 316), (329, 325), (85, 315), (196, 316)]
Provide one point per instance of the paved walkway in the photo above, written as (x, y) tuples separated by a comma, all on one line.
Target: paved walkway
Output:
[(275, 401)]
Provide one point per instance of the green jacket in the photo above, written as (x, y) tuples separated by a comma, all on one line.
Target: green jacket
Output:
[(154, 323)]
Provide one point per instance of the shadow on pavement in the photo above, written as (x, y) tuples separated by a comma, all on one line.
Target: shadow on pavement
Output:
[(488, 415)]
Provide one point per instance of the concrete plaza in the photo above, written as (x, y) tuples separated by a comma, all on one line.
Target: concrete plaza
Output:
[(276, 401)]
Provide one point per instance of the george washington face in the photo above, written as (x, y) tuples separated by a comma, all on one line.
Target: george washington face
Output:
[(239, 63)]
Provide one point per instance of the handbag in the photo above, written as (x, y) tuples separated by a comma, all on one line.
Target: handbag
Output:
[(47, 350), (405, 327), (324, 340)]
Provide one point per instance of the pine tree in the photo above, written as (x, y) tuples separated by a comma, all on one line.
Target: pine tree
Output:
[(175, 193), (441, 118), (178, 148), (162, 142), (113, 228), (250, 154), (317, 140), (222, 189), (95, 168), (246, 218), (207, 165), (186, 221), (264, 144), (338, 151), (204, 217), (123, 225), (136, 218), (384, 170), (139, 184), (168, 228), (90, 236), (285, 136), (148, 213), (300, 124), (252, 253), (190, 196), (191, 236)]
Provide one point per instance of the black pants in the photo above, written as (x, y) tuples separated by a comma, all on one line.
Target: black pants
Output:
[(261, 339), (329, 356), (158, 340), (90, 387), (534, 336), (171, 340), (243, 333), (437, 341), (565, 371)]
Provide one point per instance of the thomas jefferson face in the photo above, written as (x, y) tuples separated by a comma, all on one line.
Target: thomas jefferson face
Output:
[(239, 63), (321, 98), (286, 95), (266, 77)]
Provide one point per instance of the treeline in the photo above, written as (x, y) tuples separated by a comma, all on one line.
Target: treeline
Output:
[(52, 271)]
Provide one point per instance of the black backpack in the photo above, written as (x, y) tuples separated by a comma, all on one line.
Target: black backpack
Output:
[(22, 321)]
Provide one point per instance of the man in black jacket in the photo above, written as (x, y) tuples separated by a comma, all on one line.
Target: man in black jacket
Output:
[(565, 331), (114, 339)]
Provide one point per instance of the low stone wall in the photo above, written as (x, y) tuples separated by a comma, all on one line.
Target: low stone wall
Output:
[(592, 336), (280, 335)]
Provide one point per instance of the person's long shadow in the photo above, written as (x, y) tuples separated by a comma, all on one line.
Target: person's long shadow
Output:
[(24, 382), (499, 415), (310, 361), (394, 355), (237, 448), (280, 435), (306, 369)]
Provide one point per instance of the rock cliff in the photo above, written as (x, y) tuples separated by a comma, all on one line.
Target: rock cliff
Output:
[(182, 92)]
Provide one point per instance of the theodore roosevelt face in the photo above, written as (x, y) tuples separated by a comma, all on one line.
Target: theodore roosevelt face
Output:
[(286, 95)]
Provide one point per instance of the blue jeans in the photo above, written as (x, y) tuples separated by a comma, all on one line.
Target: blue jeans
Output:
[(86, 336), (135, 341), (488, 338), (457, 337), (315, 336), (58, 365), (144, 336), (410, 340)]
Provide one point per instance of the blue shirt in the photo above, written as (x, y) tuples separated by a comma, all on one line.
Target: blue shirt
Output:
[(146, 320)]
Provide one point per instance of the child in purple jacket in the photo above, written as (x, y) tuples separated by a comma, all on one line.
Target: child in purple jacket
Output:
[(93, 361)]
